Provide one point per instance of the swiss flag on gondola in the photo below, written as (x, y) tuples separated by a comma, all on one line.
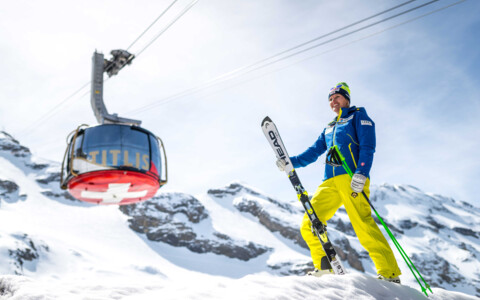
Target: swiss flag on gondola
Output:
[(114, 186)]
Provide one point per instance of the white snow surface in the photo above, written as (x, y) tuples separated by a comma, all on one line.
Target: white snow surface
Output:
[(55, 248), (200, 286)]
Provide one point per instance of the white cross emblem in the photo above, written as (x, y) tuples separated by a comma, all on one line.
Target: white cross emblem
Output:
[(116, 192)]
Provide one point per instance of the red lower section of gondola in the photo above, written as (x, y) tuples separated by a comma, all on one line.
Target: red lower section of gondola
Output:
[(113, 187)]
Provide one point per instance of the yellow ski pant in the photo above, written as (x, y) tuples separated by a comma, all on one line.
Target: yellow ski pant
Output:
[(330, 195)]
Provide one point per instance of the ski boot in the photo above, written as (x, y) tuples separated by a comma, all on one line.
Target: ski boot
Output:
[(392, 279), (319, 273), (325, 268)]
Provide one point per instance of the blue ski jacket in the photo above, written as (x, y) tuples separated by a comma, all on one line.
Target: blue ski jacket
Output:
[(354, 134)]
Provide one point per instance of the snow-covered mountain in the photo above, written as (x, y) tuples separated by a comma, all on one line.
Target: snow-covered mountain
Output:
[(231, 242)]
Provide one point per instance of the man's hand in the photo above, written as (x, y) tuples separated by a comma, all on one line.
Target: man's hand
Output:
[(281, 164), (358, 182)]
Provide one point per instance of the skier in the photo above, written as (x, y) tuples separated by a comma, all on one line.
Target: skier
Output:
[(354, 133)]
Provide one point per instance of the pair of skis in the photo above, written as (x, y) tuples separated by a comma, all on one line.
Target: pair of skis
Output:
[(271, 132)]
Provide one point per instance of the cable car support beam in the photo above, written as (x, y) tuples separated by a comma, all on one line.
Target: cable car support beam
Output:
[(100, 65)]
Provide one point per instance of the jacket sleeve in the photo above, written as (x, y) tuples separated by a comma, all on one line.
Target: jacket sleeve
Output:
[(365, 128), (311, 154)]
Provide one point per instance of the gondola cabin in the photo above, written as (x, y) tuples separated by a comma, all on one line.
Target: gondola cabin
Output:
[(113, 164)]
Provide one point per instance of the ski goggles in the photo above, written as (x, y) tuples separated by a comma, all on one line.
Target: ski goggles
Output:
[(339, 89), (335, 90)]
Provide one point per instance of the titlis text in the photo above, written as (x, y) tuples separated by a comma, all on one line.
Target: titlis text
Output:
[(279, 149)]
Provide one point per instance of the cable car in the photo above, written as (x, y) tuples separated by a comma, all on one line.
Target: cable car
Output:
[(116, 162)]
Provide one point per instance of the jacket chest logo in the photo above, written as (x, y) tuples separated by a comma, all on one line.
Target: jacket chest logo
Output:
[(344, 120)]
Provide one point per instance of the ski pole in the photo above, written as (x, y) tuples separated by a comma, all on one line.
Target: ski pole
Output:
[(337, 159)]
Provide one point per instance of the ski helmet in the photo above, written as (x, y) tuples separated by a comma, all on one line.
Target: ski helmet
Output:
[(342, 89)]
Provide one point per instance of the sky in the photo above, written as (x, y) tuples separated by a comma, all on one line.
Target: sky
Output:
[(418, 81)]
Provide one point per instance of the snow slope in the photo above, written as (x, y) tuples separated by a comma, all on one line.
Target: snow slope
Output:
[(229, 243), (257, 286)]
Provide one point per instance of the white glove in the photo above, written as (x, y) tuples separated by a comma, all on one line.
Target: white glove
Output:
[(281, 164), (358, 182)]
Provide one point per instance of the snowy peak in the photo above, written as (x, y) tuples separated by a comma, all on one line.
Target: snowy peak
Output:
[(442, 234), (9, 144), (180, 220), (19, 166), (18, 154), (237, 188), (433, 212)]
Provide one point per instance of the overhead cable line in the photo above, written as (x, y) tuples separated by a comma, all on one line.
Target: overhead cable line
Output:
[(29, 129), (234, 74), (187, 8), (313, 40), (52, 111), (333, 49), (225, 76), (150, 26), (341, 36)]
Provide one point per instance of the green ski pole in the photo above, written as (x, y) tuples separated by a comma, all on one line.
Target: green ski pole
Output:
[(336, 159)]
